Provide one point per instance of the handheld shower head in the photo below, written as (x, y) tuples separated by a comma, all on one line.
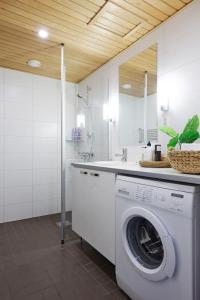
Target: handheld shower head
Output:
[(84, 99)]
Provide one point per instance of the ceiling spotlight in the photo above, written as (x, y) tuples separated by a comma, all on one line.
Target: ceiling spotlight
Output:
[(43, 33), (33, 63), (126, 86)]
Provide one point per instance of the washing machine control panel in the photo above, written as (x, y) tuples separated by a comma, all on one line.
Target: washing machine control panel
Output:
[(177, 202), (144, 194)]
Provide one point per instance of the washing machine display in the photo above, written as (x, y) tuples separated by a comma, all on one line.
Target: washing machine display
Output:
[(145, 242)]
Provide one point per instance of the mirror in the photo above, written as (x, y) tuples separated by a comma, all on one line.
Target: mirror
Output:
[(138, 99)]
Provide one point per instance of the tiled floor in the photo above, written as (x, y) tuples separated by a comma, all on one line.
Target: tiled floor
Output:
[(34, 266)]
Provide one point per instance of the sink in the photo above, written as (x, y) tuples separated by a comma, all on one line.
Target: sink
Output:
[(110, 163)]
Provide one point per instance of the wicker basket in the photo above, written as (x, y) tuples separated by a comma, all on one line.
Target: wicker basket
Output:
[(185, 161)]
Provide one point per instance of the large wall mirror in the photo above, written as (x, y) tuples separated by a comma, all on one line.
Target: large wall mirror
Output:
[(138, 99)]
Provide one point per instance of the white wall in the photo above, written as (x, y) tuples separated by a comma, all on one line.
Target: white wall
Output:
[(29, 145), (178, 67)]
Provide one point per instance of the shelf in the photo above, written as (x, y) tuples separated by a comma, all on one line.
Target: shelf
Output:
[(68, 139)]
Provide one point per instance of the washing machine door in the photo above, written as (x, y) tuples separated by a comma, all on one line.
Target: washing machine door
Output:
[(148, 244)]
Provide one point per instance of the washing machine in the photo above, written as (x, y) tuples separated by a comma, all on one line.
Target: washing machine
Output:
[(157, 239)]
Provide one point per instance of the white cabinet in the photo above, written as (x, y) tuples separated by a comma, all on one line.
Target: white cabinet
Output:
[(93, 209)]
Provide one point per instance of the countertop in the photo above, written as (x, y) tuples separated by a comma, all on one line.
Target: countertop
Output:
[(128, 168)]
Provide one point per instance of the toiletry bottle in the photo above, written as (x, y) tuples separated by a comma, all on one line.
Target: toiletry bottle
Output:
[(78, 134), (73, 134), (157, 152), (147, 154)]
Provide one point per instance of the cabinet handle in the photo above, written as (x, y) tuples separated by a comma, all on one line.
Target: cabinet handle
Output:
[(94, 174), (124, 192), (83, 172)]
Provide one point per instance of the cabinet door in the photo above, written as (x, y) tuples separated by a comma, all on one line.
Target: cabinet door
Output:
[(93, 209), (80, 189), (101, 213)]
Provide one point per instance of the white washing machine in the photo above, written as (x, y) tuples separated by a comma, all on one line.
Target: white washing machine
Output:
[(157, 239)]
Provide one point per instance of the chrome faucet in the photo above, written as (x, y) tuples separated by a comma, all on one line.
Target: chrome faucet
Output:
[(123, 155)]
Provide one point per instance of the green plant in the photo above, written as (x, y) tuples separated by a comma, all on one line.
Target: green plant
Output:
[(188, 135)]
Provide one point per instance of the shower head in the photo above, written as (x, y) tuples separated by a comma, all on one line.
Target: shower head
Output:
[(81, 98)]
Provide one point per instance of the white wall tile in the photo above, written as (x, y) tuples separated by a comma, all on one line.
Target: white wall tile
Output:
[(1, 91), (45, 129), (2, 126), (1, 197), (17, 93), (45, 176), (19, 161), (16, 178), (18, 144), (45, 161), (1, 179), (45, 192), (18, 195), (1, 109), (15, 78), (45, 207), (43, 99), (18, 211), (2, 161), (21, 109), (18, 127), (45, 83), (45, 145), (2, 143)]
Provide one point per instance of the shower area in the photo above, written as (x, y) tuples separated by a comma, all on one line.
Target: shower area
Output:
[(87, 132)]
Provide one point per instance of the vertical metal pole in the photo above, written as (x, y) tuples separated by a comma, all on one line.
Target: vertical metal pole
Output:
[(62, 145), (145, 105)]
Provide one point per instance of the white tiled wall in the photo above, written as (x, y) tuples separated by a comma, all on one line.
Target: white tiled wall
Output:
[(29, 145)]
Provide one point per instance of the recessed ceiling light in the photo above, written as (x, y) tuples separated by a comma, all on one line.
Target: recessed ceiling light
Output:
[(126, 86), (33, 63), (43, 33)]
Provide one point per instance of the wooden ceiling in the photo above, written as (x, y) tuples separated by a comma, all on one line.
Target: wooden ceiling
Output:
[(93, 31), (132, 72)]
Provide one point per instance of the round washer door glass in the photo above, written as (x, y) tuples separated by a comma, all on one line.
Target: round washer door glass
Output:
[(144, 242)]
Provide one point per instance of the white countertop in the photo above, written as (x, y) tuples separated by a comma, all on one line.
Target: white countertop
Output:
[(128, 168)]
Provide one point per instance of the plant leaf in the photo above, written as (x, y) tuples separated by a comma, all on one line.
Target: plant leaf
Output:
[(169, 131), (188, 136), (173, 142), (192, 124)]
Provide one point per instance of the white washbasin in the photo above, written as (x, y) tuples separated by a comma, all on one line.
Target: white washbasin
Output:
[(110, 163)]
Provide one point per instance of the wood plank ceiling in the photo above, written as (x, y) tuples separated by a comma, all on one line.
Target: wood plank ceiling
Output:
[(132, 73), (93, 31)]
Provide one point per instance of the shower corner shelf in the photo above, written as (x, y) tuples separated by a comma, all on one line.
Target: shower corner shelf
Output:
[(69, 139)]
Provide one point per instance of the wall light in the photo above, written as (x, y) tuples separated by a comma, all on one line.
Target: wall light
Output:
[(165, 104), (80, 121), (43, 33)]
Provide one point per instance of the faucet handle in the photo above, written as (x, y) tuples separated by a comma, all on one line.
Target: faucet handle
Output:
[(124, 150)]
